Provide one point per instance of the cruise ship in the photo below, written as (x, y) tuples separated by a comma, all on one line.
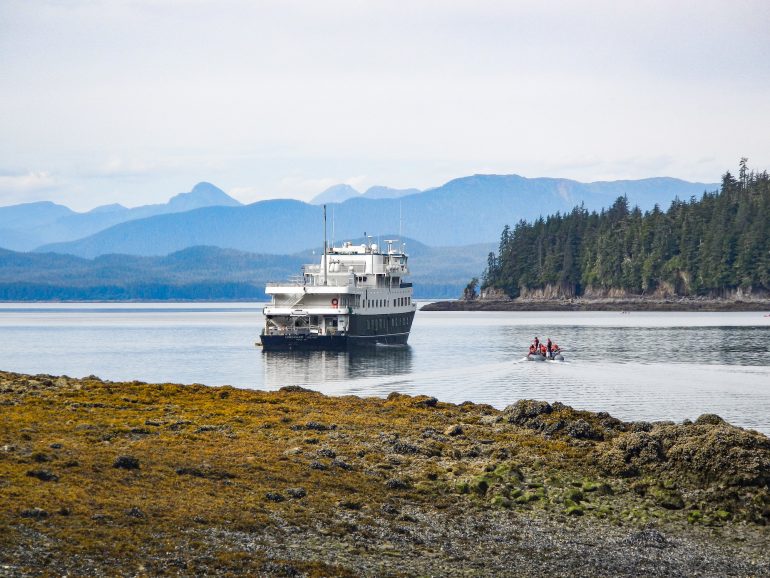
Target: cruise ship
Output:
[(355, 296)]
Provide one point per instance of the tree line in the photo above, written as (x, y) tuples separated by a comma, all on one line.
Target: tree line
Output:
[(710, 246)]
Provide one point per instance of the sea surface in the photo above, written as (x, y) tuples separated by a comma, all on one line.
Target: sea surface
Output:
[(637, 366)]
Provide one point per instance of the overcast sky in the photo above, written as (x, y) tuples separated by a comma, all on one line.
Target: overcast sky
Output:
[(134, 101)]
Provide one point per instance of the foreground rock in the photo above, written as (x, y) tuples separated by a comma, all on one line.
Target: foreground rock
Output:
[(134, 478)]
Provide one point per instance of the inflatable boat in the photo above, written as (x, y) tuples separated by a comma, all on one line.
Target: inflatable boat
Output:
[(537, 357)]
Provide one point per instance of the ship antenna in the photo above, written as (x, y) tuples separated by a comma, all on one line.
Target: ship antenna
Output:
[(324, 244), (400, 220), (332, 225)]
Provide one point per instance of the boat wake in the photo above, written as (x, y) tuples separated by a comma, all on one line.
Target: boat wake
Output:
[(392, 345)]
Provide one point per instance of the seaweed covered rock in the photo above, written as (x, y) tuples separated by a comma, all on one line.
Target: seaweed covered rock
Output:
[(126, 463), (524, 411), (705, 453), (581, 429), (628, 453), (559, 419), (719, 453), (709, 419)]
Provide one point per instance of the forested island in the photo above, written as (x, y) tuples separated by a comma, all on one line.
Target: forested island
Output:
[(713, 248)]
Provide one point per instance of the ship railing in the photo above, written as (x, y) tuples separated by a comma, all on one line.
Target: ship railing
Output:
[(305, 330), (331, 281), (290, 302)]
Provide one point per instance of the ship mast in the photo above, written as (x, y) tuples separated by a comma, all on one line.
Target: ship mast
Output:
[(325, 245)]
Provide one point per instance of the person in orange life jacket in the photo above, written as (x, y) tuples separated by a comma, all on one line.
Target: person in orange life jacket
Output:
[(532, 349), (543, 350)]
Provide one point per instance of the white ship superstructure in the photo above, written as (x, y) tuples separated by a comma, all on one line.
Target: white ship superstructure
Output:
[(356, 295)]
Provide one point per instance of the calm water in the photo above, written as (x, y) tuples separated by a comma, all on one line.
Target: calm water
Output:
[(647, 366)]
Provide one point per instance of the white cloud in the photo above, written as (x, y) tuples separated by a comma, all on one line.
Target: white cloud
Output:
[(276, 98), (21, 188)]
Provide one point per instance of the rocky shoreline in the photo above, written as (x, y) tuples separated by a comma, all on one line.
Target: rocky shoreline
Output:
[(709, 305), (130, 479)]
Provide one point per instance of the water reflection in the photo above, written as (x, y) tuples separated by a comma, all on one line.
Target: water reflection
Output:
[(312, 368)]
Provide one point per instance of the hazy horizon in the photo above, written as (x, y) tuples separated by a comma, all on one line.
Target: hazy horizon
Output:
[(163, 200), (135, 101)]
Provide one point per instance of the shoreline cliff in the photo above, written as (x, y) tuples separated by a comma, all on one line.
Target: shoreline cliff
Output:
[(601, 304)]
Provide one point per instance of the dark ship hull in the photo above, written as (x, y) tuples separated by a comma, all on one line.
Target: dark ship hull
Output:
[(365, 331)]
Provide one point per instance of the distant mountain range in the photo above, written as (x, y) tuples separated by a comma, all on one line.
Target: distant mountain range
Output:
[(206, 245), (204, 273), (30, 225), (464, 211), (341, 193)]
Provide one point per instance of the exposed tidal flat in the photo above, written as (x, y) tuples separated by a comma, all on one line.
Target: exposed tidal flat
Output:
[(130, 478)]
